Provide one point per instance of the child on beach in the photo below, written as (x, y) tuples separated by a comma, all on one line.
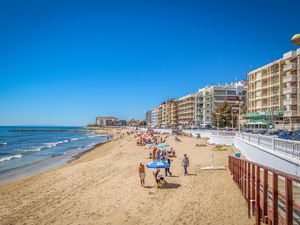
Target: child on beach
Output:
[(142, 174)]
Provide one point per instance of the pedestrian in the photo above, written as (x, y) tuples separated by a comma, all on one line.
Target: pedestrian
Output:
[(185, 163), (167, 169), (156, 175), (142, 174)]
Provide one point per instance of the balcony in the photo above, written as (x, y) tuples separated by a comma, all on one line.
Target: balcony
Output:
[(289, 78), (290, 90), (290, 113), (288, 67), (290, 102)]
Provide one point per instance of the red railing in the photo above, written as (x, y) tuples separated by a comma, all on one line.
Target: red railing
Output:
[(268, 201)]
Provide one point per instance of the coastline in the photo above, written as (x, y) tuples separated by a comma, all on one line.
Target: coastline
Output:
[(48, 163), (102, 187)]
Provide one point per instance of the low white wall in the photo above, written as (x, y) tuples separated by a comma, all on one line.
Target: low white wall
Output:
[(221, 140), (203, 133), (268, 158)]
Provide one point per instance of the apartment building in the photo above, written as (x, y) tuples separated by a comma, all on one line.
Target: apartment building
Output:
[(173, 113), (148, 117), (154, 117), (186, 111), (210, 97), (106, 121), (167, 114), (274, 89)]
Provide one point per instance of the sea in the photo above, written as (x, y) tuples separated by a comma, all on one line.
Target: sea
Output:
[(26, 153)]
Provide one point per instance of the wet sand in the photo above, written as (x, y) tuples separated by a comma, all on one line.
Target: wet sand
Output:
[(102, 187)]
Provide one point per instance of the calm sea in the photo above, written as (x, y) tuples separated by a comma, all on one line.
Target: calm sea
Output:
[(21, 149)]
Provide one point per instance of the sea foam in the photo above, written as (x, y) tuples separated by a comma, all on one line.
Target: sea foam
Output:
[(7, 158)]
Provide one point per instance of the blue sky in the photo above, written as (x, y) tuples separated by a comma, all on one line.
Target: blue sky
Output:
[(66, 62)]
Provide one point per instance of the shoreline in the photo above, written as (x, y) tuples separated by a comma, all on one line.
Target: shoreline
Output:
[(47, 164)]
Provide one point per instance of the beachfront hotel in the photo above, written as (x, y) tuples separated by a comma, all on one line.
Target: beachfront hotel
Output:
[(195, 110), (274, 92)]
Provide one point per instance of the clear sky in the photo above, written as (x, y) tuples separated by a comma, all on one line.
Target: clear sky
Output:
[(66, 62)]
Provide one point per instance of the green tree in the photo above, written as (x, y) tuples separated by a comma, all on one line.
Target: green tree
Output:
[(225, 116)]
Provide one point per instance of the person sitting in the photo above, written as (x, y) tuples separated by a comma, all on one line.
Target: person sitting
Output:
[(160, 181), (170, 152)]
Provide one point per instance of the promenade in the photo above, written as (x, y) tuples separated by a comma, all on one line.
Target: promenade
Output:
[(102, 187)]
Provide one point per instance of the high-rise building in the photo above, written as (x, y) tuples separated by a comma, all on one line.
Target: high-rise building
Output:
[(274, 91)]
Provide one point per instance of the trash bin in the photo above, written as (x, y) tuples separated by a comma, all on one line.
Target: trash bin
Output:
[(238, 155)]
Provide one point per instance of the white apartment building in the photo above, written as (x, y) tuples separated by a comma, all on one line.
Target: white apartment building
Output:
[(210, 97), (154, 117)]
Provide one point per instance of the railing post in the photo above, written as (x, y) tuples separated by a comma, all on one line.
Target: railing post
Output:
[(248, 187), (273, 144), (288, 202), (245, 179), (257, 197), (253, 189), (275, 200), (265, 197)]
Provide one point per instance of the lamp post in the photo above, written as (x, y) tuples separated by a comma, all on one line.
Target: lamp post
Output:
[(240, 103), (296, 39), (218, 122)]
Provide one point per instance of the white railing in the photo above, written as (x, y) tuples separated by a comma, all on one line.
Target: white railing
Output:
[(222, 133), (287, 147)]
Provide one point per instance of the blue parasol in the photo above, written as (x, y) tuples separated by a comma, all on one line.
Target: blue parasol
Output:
[(158, 164)]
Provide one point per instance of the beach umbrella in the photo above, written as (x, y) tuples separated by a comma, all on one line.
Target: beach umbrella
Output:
[(162, 145), (158, 164)]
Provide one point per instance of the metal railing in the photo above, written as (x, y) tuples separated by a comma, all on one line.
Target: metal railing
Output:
[(287, 147), (270, 194)]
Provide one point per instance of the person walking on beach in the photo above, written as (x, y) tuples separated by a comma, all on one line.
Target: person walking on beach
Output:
[(142, 174), (167, 169), (185, 163), (155, 174)]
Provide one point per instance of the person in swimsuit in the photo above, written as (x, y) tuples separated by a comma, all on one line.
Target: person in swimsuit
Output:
[(142, 174)]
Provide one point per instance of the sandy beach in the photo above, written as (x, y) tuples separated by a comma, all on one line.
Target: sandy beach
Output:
[(103, 187)]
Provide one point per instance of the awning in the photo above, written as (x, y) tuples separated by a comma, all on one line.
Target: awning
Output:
[(258, 122)]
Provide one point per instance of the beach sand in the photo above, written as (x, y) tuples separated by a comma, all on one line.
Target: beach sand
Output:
[(103, 187)]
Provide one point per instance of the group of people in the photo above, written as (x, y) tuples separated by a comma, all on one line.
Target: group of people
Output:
[(150, 140), (161, 154), (159, 179)]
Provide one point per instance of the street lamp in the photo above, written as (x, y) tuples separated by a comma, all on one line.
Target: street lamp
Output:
[(240, 103), (218, 121), (296, 39)]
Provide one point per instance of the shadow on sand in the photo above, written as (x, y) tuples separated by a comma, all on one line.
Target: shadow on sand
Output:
[(171, 186), (147, 186)]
